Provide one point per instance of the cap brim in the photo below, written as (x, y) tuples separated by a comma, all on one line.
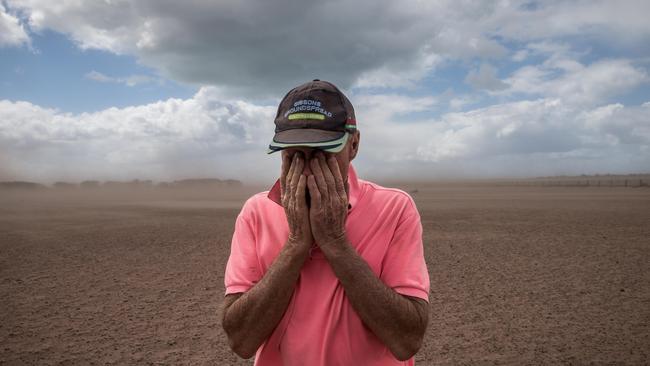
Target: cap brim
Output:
[(330, 141)]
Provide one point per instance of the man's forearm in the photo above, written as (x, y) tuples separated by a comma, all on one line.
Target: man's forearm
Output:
[(254, 315), (397, 321)]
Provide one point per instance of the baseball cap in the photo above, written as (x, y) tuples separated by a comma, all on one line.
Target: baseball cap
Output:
[(315, 114)]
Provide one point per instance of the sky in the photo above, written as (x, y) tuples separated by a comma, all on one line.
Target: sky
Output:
[(164, 90)]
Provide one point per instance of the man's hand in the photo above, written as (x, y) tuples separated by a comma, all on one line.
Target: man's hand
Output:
[(294, 201), (398, 321), (329, 201), (249, 318)]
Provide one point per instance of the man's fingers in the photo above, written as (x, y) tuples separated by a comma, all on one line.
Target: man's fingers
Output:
[(286, 165), (292, 180), (319, 178), (301, 199), (327, 174), (299, 163), (338, 177), (294, 173), (285, 183), (314, 192), (292, 166)]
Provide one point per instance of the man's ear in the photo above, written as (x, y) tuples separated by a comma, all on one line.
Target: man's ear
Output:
[(353, 144)]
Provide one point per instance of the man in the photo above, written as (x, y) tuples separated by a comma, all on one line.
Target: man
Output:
[(325, 268)]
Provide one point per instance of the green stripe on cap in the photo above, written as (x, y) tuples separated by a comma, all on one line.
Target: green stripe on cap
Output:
[(332, 146), (307, 116)]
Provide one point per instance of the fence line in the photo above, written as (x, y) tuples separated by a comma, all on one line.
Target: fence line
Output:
[(630, 183)]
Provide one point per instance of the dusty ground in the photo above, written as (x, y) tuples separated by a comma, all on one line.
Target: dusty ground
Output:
[(520, 275)]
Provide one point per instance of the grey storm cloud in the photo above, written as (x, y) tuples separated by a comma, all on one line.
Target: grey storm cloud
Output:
[(263, 47), (259, 48)]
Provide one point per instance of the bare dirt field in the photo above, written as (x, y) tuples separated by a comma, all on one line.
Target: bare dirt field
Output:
[(519, 275)]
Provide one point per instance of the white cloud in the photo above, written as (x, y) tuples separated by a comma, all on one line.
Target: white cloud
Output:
[(466, 41), (520, 56), (132, 80), (98, 76), (211, 135), (12, 32), (405, 73), (577, 83), (485, 77), (392, 104), (513, 128), (549, 132), (385, 126), (457, 103), (204, 135), (616, 124), (524, 138), (623, 20)]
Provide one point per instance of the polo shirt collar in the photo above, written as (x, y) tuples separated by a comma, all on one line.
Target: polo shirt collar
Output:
[(353, 185)]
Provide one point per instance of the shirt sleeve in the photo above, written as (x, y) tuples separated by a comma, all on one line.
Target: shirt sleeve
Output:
[(404, 269), (242, 270)]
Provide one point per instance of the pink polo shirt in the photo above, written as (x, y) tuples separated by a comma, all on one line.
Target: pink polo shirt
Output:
[(320, 327)]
